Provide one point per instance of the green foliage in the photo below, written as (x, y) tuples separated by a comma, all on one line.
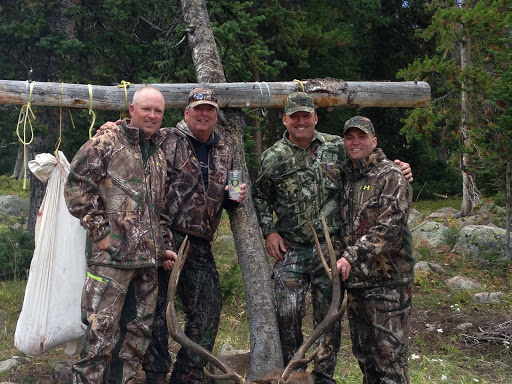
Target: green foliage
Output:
[(451, 235), (16, 250), (10, 186), (484, 23)]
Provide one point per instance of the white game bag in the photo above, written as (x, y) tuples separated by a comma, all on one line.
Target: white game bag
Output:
[(51, 309)]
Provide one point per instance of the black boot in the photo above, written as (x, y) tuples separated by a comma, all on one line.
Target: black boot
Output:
[(156, 378)]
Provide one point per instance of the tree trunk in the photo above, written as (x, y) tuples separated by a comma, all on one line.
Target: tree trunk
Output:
[(265, 345), (507, 207), (18, 172), (470, 193)]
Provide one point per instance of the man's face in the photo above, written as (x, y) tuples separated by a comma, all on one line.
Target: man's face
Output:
[(358, 144), (300, 126), (201, 119), (148, 111)]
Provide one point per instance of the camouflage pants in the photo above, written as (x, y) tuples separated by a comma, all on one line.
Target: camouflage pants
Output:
[(300, 268), (103, 297), (201, 297), (379, 328), (157, 358)]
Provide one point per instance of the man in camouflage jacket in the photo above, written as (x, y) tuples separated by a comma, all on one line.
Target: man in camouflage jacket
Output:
[(116, 188), (198, 164), (299, 180), (377, 264)]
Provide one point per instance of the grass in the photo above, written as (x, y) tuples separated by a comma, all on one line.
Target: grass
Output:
[(429, 206), (10, 186), (438, 352)]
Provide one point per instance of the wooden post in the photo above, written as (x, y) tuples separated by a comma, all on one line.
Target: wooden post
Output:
[(325, 92)]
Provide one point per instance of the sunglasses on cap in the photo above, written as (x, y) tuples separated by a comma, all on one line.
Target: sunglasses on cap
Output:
[(202, 96)]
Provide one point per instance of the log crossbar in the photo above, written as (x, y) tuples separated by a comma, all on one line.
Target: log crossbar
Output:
[(326, 93)]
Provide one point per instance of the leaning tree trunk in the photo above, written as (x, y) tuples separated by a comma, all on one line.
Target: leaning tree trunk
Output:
[(265, 345)]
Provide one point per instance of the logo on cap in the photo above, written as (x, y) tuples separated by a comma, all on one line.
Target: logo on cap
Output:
[(199, 96)]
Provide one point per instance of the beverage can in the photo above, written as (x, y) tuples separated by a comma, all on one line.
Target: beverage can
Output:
[(234, 182)]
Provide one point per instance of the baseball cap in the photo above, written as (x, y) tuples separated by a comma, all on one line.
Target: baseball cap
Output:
[(299, 101), (361, 122), (199, 96)]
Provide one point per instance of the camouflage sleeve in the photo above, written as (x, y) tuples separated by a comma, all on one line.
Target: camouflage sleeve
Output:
[(165, 224), (82, 192), (389, 222), (263, 191)]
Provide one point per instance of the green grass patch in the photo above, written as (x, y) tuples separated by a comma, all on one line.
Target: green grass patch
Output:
[(426, 207), (10, 186)]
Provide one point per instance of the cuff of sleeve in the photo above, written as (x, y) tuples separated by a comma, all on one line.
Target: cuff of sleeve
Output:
[(350, 254), (268, 230)]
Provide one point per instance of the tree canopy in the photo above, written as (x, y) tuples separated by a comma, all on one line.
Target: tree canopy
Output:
[(109, 41)]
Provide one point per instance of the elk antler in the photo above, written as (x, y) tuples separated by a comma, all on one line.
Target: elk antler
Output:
[(333, 314), (176, 331)]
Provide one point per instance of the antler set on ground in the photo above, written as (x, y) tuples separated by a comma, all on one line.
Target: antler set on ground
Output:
[(335, 312)]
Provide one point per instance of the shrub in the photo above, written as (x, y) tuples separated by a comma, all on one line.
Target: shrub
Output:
[(16, 250)]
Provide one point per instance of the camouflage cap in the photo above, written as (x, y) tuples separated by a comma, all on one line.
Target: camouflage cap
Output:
[(299, 101), (199, 96), (361, 122)]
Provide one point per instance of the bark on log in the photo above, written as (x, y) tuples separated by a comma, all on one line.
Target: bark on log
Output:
[(326, 93)]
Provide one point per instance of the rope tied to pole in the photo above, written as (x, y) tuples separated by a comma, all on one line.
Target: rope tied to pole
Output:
[(125, 85), (26, 115), (91, 112), (301, 84)]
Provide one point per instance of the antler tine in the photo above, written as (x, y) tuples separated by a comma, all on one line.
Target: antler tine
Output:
[(319, 248), (333, 314), (176, 331)]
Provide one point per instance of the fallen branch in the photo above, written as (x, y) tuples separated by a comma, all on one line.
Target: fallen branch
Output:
[(499, 335)]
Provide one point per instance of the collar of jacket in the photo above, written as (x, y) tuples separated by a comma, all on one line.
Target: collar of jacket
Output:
[(135, 135), (363, 165), (183, 127), (316, 136)]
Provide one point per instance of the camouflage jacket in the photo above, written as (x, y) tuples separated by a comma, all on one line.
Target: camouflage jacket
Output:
[(375, 208), (116, 186), (191, 209), (299, 184)]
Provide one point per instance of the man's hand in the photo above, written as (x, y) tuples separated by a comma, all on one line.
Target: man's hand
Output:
[(344, 268), (243, 192), (274, 244), (406, 170), (170, 259), (110, 125), (104, 243)]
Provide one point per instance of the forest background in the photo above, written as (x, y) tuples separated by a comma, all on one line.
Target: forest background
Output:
[(462, 49)]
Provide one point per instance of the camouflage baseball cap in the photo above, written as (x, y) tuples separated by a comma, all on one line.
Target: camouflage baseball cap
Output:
[(299, 101), (199, 96), (361, 122)]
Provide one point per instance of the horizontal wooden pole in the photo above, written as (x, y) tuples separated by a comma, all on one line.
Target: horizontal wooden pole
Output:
[(326, 93)]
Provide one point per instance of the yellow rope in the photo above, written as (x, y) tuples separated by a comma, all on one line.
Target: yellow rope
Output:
[(59, 140), (125, 85), (301, 84), (91, 112), (71, 117), (25, 113)]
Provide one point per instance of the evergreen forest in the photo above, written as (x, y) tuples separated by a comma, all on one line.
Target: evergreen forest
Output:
[(461, 48)]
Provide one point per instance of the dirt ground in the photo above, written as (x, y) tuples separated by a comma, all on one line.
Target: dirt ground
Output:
[(426, 323)]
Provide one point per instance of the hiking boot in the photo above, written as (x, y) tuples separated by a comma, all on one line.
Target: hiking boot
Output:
[(156, 378)]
